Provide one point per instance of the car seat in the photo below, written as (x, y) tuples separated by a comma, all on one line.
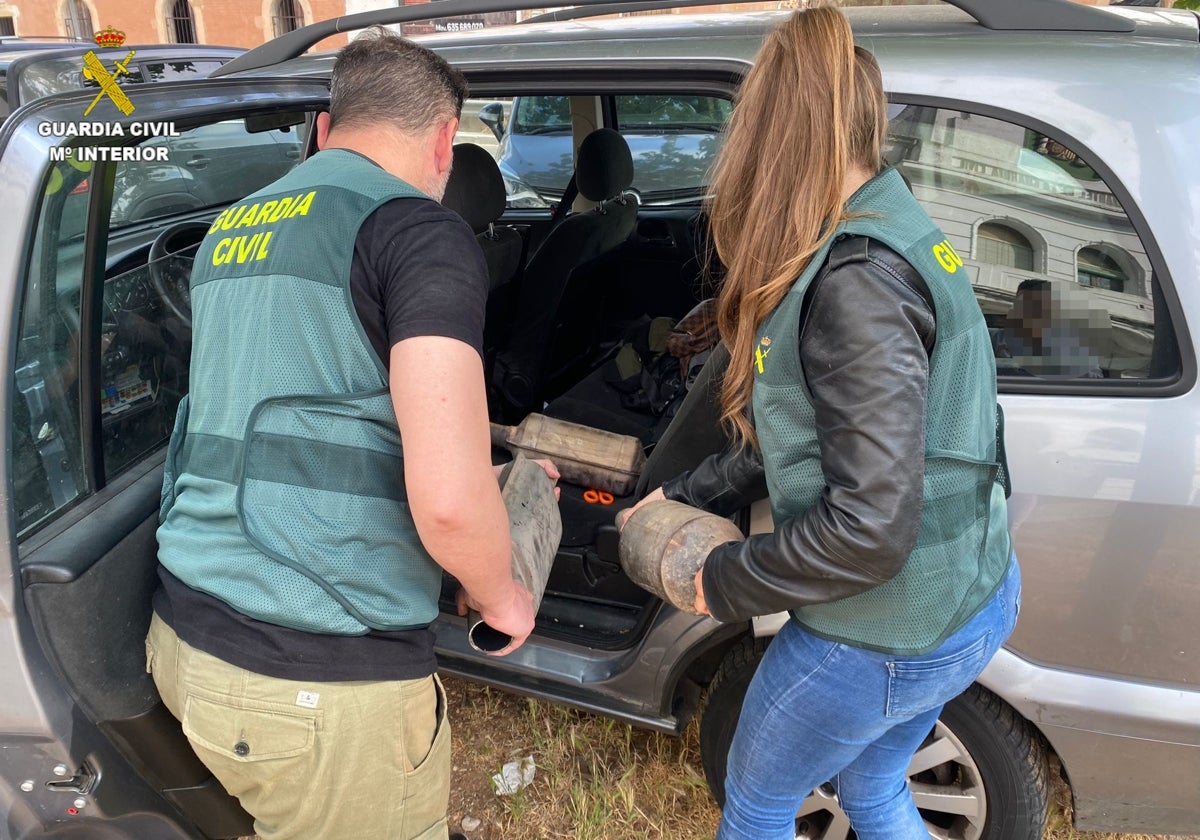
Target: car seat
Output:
[(475, 191), (603, 171)]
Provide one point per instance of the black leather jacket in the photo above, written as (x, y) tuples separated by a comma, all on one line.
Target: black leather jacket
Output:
[(865, 342)]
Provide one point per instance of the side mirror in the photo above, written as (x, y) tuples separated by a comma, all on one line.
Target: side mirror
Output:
[(492, 115)]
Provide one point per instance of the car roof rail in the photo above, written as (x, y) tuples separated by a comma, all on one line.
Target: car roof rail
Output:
[(992, 14)]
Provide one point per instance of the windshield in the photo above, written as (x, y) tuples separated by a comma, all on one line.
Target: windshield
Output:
[(542, 115)]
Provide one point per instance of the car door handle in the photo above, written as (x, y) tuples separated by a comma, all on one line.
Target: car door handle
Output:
[(198, 162), (292, 153)]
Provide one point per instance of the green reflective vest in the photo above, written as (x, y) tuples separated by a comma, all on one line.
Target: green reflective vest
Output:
[(963, 546), (284, 487)]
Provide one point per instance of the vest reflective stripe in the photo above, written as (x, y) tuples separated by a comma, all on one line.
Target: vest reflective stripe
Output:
[(284, 490), (963, 545), (333, 467)]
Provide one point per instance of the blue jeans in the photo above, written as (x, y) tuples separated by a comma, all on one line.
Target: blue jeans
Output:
[(819, 711)]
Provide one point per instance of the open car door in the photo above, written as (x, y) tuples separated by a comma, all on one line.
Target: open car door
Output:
[(94, 268)]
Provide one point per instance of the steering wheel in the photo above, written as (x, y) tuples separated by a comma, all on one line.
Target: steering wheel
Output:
[(171, 277)]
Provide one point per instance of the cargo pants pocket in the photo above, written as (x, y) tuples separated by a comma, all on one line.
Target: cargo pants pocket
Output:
[(259, 750), (427, 776)]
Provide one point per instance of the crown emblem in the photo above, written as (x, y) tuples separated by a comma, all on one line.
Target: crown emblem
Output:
[(109, 37)]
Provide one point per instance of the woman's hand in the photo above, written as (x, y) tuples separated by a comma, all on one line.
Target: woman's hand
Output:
[(701, 605), (624, 515)]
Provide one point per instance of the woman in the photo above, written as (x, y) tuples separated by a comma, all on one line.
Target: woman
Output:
[(861, 354)]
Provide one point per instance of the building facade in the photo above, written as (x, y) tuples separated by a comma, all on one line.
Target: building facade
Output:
[(237, 23)]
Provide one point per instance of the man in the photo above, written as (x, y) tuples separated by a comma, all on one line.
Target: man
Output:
[(301, 548), (1041, 336)]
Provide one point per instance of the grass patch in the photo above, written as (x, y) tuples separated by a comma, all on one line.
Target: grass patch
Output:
[(596, 779)]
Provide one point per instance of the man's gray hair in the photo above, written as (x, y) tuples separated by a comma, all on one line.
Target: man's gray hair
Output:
[(380, 77)]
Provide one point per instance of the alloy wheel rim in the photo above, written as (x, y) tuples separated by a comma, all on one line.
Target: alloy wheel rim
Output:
[(945, 783)]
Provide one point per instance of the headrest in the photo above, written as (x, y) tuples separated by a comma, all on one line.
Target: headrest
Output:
[(476, 189), (605, 165)]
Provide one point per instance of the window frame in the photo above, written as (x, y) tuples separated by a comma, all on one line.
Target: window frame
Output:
[(1175, 326), (1033, 240), (75, 13), (1130, 272), (282, 23), (174, 21)]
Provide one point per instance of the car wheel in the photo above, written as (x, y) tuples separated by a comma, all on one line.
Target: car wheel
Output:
[(981, 774)]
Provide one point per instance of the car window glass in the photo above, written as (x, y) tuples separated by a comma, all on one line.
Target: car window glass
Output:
[(55, 75), (145, 333), (48, 469), (530, 138), (674, 140), (208, 166), (145, 349), (169, 71), (1063, 278)]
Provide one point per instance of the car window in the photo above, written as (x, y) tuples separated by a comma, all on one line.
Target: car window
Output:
[(144, 336), (48, 472), (145, 349), (1061, 274), (674, 140), (54, 75), (145, 322), (209, 166), (530, 137), (169, 71)]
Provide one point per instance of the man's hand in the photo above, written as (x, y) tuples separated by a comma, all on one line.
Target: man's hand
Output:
[(624, 515), (512, 616), (547, 465), (701, 605), (438, 392)]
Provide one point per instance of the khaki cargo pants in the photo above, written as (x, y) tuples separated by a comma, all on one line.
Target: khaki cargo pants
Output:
[(313, 761)]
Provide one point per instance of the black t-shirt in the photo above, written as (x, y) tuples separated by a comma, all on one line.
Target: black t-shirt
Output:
[(417, 270)]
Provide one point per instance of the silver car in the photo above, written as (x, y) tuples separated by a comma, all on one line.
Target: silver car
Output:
[(1055, 144)]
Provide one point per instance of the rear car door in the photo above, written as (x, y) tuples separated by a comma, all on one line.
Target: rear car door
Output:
[(96, 361)]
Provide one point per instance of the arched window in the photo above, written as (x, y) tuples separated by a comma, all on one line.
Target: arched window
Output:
[(1098, 270), (181, 25), (78, 20), (999, 244), (288, 16)]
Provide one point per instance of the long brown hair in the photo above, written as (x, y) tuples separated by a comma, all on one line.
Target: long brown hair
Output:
[(811, 107)]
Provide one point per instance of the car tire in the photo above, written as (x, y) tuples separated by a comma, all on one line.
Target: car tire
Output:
[(996, 767)]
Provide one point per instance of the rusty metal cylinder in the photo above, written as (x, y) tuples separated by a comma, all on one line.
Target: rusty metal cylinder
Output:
[(584, 456), (664, 544), (535, 529)]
